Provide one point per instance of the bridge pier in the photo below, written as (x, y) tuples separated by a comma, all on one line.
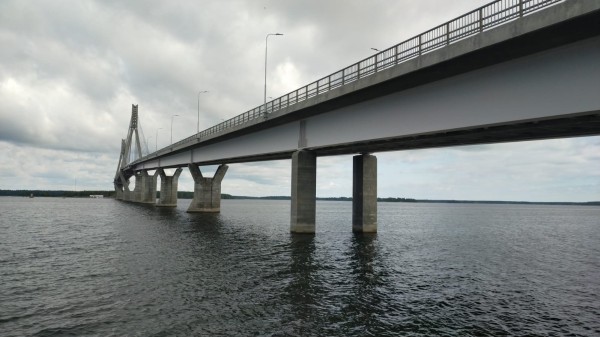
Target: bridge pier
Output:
[(304, 190), (126, 195), (207, 191), (118, 192), (168, 188), (147, 194), (136, 195), (364, 194)]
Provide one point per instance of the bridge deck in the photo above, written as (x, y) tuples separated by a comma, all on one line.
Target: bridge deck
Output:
[(294, 125)]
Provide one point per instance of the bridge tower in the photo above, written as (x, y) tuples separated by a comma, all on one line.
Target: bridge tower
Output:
[(121, 180)]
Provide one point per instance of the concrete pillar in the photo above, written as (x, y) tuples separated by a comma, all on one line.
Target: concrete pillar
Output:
[(127, 194), (364, 194), (148, 189), (168, 188), (118, 192), (207, 191), (304, 190), (136, 195)]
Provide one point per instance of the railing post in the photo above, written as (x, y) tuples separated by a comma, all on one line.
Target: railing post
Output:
[(520, 8), (447, 33), (358, 70), (420, 47), (480, 20), (375, 64)]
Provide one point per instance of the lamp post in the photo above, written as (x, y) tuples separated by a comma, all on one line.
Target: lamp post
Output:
[(172, 117), (199, 92), (156, 149), (266, 44)]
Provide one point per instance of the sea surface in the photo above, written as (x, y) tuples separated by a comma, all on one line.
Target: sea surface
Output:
[(101, 267)]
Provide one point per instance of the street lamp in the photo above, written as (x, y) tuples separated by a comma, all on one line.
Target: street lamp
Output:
[(265, 96), (199, 92), (375, 49), (172, 117), (157, 139)]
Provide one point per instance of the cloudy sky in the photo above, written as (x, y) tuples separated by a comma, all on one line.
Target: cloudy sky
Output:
[(70, 70)]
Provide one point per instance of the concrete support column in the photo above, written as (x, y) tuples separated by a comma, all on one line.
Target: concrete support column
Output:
[(207, 191), (118, 192), (168, 188), (136, 195), (127, 194), (304, 190), (364, 194), (148, 188)]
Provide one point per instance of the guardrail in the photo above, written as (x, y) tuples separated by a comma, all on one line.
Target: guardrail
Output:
[(474, 22)]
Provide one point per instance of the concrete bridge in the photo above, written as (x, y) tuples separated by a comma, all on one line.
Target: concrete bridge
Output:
[(512, 70)]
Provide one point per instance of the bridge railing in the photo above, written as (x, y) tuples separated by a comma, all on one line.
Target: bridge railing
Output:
[(474, 22)]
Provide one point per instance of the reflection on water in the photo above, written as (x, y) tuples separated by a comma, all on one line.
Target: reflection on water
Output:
[(101, 267)]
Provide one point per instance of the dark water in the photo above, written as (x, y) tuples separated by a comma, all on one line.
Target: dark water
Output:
[(106, 268)]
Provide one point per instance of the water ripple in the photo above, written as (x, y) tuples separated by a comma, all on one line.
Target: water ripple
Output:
[(105, 268)]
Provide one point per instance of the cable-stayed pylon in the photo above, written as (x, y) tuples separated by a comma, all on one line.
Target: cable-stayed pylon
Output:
[(133, 138)]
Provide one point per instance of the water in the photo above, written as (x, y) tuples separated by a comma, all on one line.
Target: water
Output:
[(99, 267)]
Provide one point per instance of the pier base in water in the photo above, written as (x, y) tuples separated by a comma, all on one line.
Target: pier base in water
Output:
[(168, 188), (207, 191)]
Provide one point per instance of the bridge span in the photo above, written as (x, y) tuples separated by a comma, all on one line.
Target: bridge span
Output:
[(512, 70)]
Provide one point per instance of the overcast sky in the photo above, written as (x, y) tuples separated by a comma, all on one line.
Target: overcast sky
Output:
[(70, 70)]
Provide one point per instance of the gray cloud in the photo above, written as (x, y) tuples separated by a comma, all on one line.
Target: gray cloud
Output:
[(70, 70)]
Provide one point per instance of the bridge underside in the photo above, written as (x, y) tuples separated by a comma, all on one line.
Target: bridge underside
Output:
[(580, 125), (587, 124)]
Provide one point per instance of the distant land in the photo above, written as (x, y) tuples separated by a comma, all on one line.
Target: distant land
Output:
[(189, 195)]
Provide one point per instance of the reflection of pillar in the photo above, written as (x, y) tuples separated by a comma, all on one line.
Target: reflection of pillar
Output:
[(367, 281), (168, 188), (207, 191), (148, 189), (364, 194), (304, 290), (304, 189)]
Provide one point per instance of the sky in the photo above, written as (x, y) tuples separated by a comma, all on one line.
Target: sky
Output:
[(70, 70)]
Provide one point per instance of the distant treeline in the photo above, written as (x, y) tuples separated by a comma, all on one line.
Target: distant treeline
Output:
[(589, 203), (228, 196), (190, 195), (65, 194)]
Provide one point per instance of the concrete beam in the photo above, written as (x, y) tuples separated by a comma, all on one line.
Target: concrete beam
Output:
[(304, 189), (364, 194), (207, 191), (168, 188)]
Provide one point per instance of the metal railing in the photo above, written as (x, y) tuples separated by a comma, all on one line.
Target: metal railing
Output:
[(474, 22)]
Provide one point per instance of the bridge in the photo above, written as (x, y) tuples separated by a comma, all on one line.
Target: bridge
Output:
[(512, 70)]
